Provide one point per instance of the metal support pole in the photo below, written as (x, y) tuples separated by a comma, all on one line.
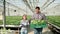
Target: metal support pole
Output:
[(26, 8), (8, 10), (18, 31), (4, 17)]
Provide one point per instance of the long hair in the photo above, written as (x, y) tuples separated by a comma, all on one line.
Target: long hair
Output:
[(24, 15)]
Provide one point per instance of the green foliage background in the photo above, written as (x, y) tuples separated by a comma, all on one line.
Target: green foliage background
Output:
[(15, 20)]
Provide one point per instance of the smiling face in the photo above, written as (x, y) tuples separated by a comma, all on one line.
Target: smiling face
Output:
[(24, 17), (37, 10)]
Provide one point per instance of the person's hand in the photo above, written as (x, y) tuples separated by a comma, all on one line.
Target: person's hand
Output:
[(22, 25)]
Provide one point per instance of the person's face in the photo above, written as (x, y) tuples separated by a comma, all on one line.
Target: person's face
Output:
[(24, 17), (37, 10)]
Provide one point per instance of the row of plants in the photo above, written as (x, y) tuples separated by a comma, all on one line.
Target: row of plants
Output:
[(54, 20), (1, 22), (15, 20), (5, 31)]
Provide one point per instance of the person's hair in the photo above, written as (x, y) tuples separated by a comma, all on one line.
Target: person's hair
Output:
[(37, 8), (24, 15)]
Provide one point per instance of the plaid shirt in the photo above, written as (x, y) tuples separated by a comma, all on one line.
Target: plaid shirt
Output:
[(39, 16)]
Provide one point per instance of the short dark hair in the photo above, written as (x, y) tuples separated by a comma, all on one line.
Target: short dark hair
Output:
[(37, 8)]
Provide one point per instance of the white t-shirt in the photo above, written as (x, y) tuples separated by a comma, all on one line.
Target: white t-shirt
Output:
[(24, 24)]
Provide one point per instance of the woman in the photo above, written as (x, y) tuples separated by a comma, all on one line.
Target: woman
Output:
[(24, 24)]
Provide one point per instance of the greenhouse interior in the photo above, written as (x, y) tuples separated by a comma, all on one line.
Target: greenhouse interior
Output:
[(11, 12)]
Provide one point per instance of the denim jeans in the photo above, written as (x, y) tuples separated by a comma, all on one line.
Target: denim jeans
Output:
[(24, 31), (38, 30)]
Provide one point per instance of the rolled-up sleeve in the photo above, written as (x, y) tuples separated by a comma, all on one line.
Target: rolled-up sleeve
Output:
[(44, 18), (32, 17)]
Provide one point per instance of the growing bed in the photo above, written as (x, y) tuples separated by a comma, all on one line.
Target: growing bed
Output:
[(15, 20)]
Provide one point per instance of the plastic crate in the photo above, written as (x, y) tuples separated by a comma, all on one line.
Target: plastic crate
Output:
[(38, 24)]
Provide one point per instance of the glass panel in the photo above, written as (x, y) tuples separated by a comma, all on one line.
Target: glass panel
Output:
[(1, 11)]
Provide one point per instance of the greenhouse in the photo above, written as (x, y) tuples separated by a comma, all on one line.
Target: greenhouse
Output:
[(11, 12)]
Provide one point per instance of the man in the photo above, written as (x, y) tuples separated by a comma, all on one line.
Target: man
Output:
[(40, 16)]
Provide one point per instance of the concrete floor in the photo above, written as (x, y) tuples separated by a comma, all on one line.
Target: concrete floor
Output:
[(45, 31)]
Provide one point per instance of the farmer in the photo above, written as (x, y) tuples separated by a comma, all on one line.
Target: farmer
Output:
[(40, 16), (24, 24)]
